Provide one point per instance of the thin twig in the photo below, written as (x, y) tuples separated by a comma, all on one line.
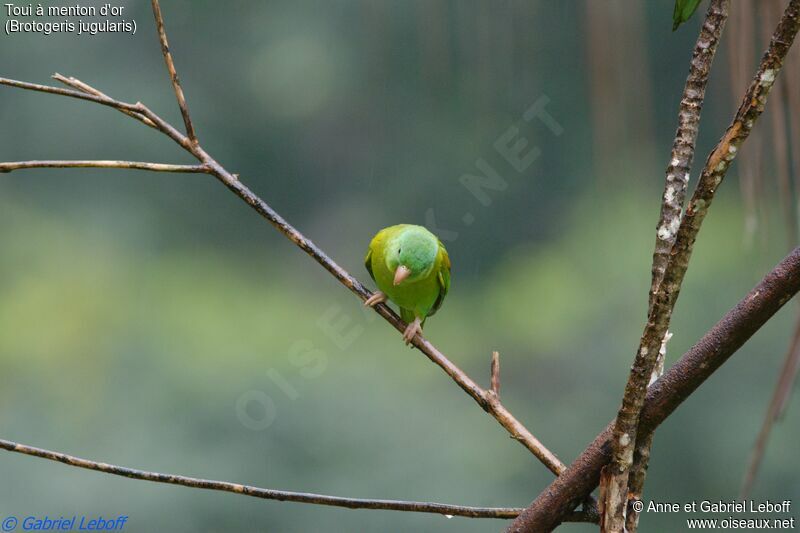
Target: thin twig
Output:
[(173, 74), (668, 393), (489, 402), (267, 494), (491, 405), (103, 100), (79, 85), (138, 165), (495, 383), (717, 164), (676, 183)]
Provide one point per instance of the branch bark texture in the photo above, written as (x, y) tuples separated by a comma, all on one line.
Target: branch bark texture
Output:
[(666, 394), (663, 301), (676, 183)]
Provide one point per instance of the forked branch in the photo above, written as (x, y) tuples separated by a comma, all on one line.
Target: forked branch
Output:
[(675, 186), (665, 395), (663, 301), (80, 90)]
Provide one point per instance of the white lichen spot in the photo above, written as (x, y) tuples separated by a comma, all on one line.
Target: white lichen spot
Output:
[(674, 224), (669, 195), (674, 162), (686, 178), (666, 232), (732, 149), (721, 166), (643, 351), (767, 77), (625, 439)]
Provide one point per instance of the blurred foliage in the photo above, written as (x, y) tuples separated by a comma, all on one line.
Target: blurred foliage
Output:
[(137, 309)]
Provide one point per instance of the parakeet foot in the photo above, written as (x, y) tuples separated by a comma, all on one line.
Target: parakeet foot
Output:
[(412, 330), (377, 298)]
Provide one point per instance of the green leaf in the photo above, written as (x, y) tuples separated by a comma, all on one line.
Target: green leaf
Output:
[(684, 9)]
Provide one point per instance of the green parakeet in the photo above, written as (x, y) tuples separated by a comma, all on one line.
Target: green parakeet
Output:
[(412, 269)]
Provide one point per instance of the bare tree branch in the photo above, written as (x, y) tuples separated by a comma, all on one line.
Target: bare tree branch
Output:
[(676, 183), (79, 85), (270, 494), (682, 154), (138, 165), (717, 164), (103, 100), (173, 74), (489, 402), (666, 394), (784, 134)]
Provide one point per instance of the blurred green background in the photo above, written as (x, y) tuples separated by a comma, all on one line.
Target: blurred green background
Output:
[(155, 321)]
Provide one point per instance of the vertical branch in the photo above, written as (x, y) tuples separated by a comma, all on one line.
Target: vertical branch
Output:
[(682, 154), (677, 384), (676, 183), (173, 74), (717, 164)]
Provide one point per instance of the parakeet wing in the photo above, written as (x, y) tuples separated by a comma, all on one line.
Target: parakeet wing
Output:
[(368, 263), (443, 277)]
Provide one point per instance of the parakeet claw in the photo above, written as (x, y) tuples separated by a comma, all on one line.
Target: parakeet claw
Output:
[(376, 298), (412, 330)]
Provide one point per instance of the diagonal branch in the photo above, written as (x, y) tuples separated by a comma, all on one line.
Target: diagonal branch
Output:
[(488, 402), (138, 165), (663, 302), (676, 183), (666, 394), (173, 74)]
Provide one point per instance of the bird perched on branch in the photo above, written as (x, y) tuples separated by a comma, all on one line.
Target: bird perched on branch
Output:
[(412, 269)]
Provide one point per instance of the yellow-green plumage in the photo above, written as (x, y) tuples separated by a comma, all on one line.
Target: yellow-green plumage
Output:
[(419, 250)]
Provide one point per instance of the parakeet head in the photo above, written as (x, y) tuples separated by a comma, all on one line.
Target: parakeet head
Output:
[(411, 254)]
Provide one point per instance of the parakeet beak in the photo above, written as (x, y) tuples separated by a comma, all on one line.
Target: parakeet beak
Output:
[(401, 274)]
